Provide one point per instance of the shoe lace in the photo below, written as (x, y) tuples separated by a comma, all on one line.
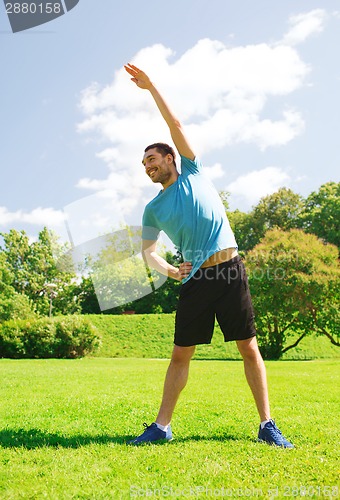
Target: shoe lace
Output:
[(275, 427), (146, 428), (274, 431)]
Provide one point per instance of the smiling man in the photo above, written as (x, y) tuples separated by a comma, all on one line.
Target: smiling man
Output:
[(160, 165), (214, 282)]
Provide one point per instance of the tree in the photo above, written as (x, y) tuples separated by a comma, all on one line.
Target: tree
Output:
[(224, 195), (87, 296), (280, 209), (321, 215), (33, 268), (6, 278), (242, 225), (12, 304), (294, 280)]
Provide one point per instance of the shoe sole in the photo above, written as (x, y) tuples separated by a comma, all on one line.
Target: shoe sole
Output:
[(277, 445), (145, 443)]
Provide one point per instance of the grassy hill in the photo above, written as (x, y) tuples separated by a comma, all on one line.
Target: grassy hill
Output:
[(151, 336)]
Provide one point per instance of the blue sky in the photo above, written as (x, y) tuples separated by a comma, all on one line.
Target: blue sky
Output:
[(257, 85)]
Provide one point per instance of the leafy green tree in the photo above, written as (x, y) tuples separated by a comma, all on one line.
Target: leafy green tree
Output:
[(321, 215), (87, 297), (6, 277), (242, 225), (15, 254), (12, 304), (224, 195), (33, 269), (295, 285), (280, 209)]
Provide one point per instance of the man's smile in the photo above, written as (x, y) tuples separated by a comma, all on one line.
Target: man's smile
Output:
[(152, 171)]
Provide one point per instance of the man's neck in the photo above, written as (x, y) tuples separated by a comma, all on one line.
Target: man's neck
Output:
[(171, 181)]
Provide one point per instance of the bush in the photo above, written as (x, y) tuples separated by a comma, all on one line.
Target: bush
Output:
[(39, 338), (11, 339), (63, 337), (16, 306), (75, 337)]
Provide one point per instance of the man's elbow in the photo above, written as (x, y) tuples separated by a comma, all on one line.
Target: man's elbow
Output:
[(147, 256), (176, 125), (144, 254)]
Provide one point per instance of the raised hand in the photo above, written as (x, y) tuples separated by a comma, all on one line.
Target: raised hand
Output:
[(140, 78)]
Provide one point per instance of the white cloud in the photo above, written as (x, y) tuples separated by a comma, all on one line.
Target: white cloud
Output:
[(266, 133), (304, 25), (249, 188), (39, 216), (214, 171)]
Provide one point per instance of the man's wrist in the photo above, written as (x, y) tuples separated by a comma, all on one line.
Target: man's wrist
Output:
[(152, 89), (174, 274)]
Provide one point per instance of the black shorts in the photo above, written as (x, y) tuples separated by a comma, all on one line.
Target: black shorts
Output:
[(220, 291)]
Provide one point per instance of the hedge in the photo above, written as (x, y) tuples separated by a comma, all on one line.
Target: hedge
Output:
[(60, 337)]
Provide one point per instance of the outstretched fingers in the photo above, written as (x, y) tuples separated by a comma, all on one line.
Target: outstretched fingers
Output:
[(138, 76), (129, 69), (132, 70), (133, 67)]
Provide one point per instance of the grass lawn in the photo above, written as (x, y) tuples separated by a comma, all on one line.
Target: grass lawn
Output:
[(64, 425)]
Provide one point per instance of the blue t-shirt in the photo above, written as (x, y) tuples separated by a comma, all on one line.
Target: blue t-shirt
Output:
[(192, 214)]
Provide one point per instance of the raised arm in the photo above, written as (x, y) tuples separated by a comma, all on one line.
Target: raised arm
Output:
[(143, 81)]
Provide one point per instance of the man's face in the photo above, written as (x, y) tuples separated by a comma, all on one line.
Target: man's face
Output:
[(159, 168)]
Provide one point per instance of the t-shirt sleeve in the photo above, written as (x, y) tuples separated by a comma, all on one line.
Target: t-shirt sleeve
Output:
[(190, 166), (149, 230)]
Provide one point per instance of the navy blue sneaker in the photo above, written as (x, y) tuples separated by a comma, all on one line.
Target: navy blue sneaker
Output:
[(272, 435), (151, 434)]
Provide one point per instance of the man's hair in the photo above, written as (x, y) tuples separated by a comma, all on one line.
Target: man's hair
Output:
[(162, 148)]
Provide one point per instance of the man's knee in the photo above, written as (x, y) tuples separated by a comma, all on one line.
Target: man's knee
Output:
[(249, 348), (182, 354)]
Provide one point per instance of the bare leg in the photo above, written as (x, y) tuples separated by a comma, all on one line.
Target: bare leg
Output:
[(175, 381), (255, 372)]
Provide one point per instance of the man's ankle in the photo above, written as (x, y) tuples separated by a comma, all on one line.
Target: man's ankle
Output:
[(264, 422), (162, 427)]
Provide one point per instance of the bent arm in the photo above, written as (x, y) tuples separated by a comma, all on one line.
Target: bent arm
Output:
[(176, 130), (155, 261)]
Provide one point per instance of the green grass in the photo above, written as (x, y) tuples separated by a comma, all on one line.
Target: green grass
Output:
[(151, 336), (64, 425)]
